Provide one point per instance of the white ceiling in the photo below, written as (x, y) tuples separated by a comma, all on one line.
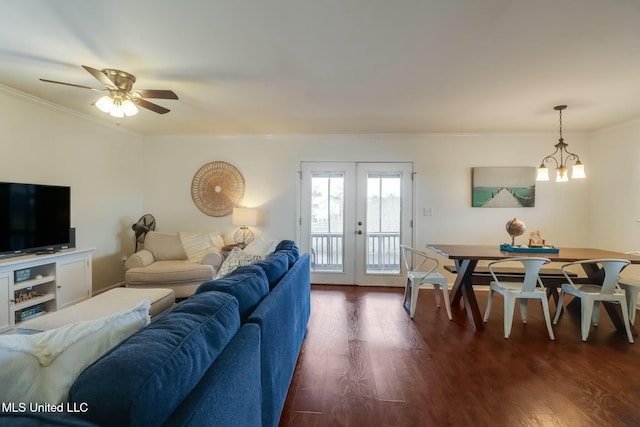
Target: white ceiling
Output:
[(336, 66)]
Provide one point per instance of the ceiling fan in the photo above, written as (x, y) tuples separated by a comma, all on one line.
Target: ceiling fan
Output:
[(122, 98)]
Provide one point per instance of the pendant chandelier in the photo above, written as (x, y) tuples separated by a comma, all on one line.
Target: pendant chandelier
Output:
[(561, 163)]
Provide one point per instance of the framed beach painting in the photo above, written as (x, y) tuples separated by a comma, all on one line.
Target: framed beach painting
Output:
[(503, 187)]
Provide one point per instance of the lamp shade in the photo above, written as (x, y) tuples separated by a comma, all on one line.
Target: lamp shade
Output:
[(129, 108), (562, 177), (105, 104), (244, 216), (543, 173), (577, 171)]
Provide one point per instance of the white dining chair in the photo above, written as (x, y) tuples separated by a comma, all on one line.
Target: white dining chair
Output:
[(631, 288), (415, 278), (530, 288), (592, 294)]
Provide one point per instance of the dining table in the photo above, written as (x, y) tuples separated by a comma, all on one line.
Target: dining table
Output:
[(466, 258)]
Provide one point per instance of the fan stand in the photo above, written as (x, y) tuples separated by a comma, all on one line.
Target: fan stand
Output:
[(145, 224)]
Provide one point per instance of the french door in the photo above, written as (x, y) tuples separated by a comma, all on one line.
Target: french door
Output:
[(353, 218)]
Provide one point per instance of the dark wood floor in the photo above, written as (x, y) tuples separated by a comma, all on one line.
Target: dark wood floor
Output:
[(365, 363)]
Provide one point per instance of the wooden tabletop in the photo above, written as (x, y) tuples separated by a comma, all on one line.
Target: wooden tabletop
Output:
[(493, 252), (466, 258)]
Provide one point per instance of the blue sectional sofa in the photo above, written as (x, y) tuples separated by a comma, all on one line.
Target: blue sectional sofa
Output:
[(223, 357)]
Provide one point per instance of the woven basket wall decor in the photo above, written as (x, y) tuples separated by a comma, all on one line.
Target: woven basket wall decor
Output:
[(217, 188)]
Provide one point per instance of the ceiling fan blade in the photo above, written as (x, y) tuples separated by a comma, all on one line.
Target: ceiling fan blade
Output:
[(101, 77), (71, 84), (151, 106), (151, 93)]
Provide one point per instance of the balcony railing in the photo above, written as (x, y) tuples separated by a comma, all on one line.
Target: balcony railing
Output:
[(326, 251), (383, 252)]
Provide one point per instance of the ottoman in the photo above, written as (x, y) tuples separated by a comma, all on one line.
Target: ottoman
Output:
[(109, 302)]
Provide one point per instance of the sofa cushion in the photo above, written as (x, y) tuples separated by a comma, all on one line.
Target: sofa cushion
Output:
[(143, 380), (290, 248), (248, 284), (275, 266), (164, 246), (230, 393), (169, 272), (41, 367)]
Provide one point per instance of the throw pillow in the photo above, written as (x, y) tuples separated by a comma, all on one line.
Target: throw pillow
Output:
[(42, 367), (197, 245), (237, 258), (261, 247)]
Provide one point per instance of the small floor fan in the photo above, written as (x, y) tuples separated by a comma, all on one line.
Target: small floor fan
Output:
[(145, 224)]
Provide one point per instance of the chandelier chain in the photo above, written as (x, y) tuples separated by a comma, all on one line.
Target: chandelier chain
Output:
[(561, 124)]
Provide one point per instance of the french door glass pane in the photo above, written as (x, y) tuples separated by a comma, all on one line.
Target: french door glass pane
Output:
[(327, 221), (384, 213)]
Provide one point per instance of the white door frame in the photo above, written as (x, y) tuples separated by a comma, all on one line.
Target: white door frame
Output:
[(354, 244)]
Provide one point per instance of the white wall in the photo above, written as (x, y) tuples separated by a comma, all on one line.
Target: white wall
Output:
[(614, 191), (116, 176), (443, 164), (45, 145)]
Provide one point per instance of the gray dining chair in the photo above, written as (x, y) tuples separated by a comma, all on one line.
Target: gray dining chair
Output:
[(415, 278), (592, 294), (530, 288)]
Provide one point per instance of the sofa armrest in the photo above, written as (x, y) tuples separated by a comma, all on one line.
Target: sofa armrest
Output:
[(213, 259), (140, 259)]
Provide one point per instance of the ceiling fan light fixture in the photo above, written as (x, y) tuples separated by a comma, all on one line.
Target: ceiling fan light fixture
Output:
[(116, 106), (117, 112), (105, 104), (122, 100), (129, 108)]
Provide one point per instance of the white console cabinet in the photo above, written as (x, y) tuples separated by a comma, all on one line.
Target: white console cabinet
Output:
[(35, 284), (5, 316)]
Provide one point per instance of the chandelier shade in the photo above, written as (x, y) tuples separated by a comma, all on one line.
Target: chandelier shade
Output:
[(561, 160)]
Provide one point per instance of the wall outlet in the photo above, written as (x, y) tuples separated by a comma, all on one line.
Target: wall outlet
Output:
[(427, 212)]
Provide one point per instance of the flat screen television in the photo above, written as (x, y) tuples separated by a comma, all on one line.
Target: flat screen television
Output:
[(34, 218)]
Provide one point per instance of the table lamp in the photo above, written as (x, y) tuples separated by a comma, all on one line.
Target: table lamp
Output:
[(244, 217)]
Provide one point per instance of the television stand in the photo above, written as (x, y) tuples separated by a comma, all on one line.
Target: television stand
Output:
[(45, 251), (31, 285)]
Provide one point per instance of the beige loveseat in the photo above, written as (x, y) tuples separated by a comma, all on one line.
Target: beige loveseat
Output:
[(164, 263)]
